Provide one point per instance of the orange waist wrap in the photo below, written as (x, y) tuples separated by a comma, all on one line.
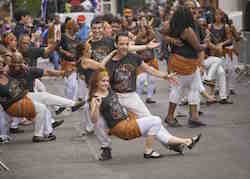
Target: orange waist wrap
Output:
[(182, 65), (22, 108), (127, 129)]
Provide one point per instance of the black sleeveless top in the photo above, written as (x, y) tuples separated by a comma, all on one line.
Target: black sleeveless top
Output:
[(186, 50), (112, 111), (13, 91), (218, 35)]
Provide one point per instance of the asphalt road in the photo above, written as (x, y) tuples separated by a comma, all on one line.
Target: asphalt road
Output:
[(223, 152)]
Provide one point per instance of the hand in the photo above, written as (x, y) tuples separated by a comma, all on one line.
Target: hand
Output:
[(153, 44), (97, 101), (172, 78), (113, 52), (177, 42)]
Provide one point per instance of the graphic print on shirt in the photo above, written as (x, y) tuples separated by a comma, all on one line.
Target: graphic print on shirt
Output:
[(15, 88), (123, 78), (117, 110), (100, 52)]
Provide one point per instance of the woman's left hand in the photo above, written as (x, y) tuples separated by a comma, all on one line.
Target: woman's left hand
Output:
[(172, 78)]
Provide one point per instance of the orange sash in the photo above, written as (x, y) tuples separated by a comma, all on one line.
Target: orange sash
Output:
[(22, 108), (127, 129), (181, 65)]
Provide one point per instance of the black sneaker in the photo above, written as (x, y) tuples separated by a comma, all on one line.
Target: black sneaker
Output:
[(179, 148), (37, 139), (106, 154), (152, 154), (195, 123), (173, 123), (16, 131), (195, 140), (57, 123), (150, 101), (60, 110), (208, 83), (225, 101), (232, 92), (77, 106)]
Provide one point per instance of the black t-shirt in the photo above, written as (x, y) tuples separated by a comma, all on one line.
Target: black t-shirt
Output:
[(112, 111), (123, 73), (27, 78), (13, 91), (101, 48), (32, 54), (69, 45)]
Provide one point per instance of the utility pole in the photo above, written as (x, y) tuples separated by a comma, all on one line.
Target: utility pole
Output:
[(11, 9)]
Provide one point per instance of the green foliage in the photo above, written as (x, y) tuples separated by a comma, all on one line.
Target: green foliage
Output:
[(33, 6), (134, 3)]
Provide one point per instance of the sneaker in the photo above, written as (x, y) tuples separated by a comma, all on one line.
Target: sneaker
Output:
[(57, 123), (77, 106), (106, 154), (208, 83), (225, 101), (173, 123), (16, 131), (195, 140), (150, 101), (4, 140), (152, 154), (195, 123), (37, 139), (232, 92), (179, 148), (60, 110)]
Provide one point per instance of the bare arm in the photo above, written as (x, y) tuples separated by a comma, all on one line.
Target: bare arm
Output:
[(95, 109), (88, 63), (145, 67), (53, 73), (189, 35)]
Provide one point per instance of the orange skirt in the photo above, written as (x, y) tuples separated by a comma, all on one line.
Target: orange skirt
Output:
[(22, 108), (127, 129), (181, 65)]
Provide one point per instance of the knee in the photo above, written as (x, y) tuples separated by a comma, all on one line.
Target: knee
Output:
[(221, 71), (156, 121)]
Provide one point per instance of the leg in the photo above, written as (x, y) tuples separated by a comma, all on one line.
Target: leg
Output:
[(134, 104), (71, 86), (50, 99), (141, 78), (151, 88)]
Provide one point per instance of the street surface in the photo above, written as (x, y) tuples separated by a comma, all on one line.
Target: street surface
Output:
[(223, 152)]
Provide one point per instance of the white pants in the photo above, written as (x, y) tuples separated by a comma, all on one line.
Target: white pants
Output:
[(71, 86), (82, 88), (133, 103), (141, 79), (214, 65), (152, 125), (231, 65), (189, 82), (43, 126), (50, 99), (4, 128)]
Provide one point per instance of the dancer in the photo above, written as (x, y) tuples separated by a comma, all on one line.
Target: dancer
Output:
[(105, 102)]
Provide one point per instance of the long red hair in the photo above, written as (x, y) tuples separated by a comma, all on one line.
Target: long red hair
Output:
[(95, 78)]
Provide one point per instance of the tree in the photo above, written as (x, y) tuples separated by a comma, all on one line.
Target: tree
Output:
[(32, 6)]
